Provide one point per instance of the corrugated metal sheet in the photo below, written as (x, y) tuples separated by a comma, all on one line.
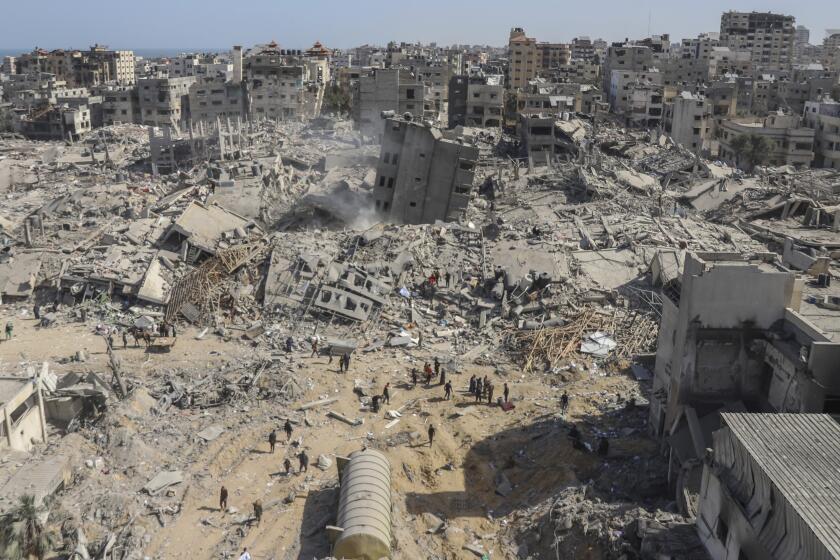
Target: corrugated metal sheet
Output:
[(800, 454)]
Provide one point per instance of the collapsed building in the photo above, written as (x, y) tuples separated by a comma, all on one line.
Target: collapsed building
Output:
[(422, 176)]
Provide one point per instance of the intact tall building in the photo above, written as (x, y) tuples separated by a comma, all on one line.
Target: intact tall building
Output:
[(768, 37), (524, 58)]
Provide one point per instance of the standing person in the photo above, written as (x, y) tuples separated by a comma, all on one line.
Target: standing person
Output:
[(258, 511), (272, 439), (472, 384), (110, 339), (374, 403), (437, 367), (432, 433), (478, 393), (287, 427), (386, 394), (448, 278), (172, 328), (289, 343), (223, 496), (506, 392), (447, 389), (490, 389), (427, 369), (414, 377), (442, 377), (245, 554), (564, 402), (314, 348), (287, 464), (603, 446), (420, 340), (346, 362), (304, 462), (125, 339)]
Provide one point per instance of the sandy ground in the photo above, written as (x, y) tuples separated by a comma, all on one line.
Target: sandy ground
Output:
[(454, 479)]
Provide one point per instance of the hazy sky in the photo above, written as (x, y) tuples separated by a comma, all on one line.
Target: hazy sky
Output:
[(344, 23)]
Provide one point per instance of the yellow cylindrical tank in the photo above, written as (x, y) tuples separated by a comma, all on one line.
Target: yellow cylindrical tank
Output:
[(364, 507)]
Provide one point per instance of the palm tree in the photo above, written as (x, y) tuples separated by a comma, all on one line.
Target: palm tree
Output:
[(22, 534)]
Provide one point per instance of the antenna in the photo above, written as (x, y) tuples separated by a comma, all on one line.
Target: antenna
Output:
[(648, 33)]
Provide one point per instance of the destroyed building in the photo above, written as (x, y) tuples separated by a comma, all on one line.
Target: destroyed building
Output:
[(744, 334), (22, 422), (422, 176), (770, 488)]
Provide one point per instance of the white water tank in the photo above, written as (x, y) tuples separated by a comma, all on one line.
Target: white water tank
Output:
[(364, 507)]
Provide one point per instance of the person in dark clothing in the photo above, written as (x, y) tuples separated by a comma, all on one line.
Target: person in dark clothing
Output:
[(287, 427), (506, 392), (346, 362), (172, 329), (414, 377), (386, 393), (448, 278), (258, 511), (478, 394), (374, 403), (304, 462), (603, 446), (437, 367), (37, 312), (289, 343), (432, 432), (442, 377), (472, 385), (447, 390), (490, 394), (314, 349), (287, 464), (125, 339), (223, 496), (564, 402), (272, 439)]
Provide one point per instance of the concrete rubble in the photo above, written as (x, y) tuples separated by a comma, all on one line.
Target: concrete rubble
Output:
[(554, 275)]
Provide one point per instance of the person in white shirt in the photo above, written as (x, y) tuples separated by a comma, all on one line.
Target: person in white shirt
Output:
[(245, 555)]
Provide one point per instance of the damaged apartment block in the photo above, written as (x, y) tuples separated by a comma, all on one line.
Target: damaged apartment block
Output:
[(422, 176), (738, 335)]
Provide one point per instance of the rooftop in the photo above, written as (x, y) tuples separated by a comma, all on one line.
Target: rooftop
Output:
[(800, 453)]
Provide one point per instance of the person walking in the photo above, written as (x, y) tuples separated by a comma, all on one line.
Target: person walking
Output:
[(245, 554), (414, 377), (287, 427), (289, 343), (223, 497), (272, 439), (506, 392), (314, 348), (564, 402), (386, 394), (258, 511), (347, 362), (490, 389), (303, 458), (447, 390), (432, 432), (125, 339), (437, 367), (472, 384), (442, 377), (287, 464)]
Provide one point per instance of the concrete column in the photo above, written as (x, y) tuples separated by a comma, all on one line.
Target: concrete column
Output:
[(237, 64), (27, 233)]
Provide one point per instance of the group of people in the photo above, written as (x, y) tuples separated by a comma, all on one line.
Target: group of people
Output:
[(343, 362), (484, 389)]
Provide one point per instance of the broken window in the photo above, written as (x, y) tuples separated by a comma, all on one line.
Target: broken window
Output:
[(390, 182), (412, 204), (382, 180), (386, 157), (394, 160), (386, 205), (409, 94), (24, 407)]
